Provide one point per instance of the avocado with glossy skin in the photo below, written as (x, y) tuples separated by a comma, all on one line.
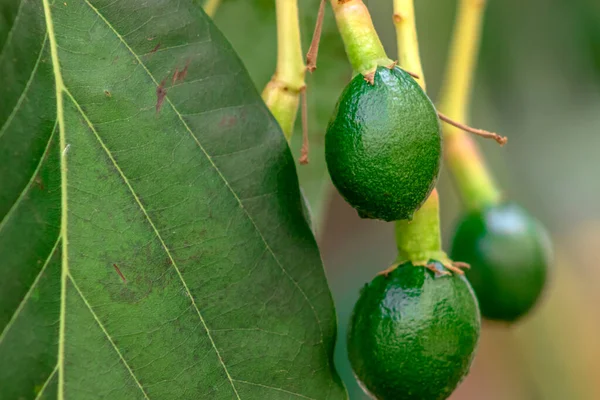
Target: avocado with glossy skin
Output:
[(413, 334), (383, 145), (509, 252)]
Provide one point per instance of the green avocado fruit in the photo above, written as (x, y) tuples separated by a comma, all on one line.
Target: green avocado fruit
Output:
[(509, 252), (413, 334), (383, 145)]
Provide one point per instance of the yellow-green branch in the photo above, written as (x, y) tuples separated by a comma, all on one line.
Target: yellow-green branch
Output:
[(464, 159), (458, 82), (211, 6), (406, 37), (282, 93), (419, 239)]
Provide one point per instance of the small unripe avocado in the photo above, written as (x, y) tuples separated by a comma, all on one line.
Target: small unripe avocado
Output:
[(509, 253), (383, 145), (413, 334)]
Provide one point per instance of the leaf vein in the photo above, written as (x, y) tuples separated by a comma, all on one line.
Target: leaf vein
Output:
[(31, 181), (161, 49), (12, 28), (41, 392), (25, 90), (21, 305), (157, 233), (275, 388), (107, 334), (59, 86)]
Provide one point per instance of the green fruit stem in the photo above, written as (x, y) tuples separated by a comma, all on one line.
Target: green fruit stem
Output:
[(418, 240), (363, 47), (475, 183), (282, 93)]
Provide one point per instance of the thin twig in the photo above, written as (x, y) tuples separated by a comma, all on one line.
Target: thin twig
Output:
[(462, 265), (416, 76), (313, 51), (480, 132), (304, 151)]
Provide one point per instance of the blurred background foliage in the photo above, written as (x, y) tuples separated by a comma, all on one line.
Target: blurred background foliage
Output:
[(538, 82)]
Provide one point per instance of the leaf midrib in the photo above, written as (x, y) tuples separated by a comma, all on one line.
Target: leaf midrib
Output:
[(59, 86)]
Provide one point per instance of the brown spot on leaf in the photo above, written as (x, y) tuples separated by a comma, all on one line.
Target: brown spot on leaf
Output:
[(107, 93), (155, 49), (40, 184), (180, 75), (175, 74), (183, 73), (227, 121), (161, 93), (120, 273)]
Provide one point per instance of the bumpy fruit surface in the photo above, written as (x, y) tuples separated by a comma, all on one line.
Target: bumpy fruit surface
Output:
[(509, 253), (413, 334), (383, 145)]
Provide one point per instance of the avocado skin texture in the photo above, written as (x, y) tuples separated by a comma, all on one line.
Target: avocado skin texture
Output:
[(413, 335), (383, 145), (509, 252)]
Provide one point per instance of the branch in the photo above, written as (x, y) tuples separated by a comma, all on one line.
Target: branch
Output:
[(313, 51), (479, 132), (211, 6), (474, 181)]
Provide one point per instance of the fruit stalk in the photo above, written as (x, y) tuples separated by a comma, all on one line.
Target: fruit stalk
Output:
[(282, 93), (363, 46), (475, 183), (419, 239)]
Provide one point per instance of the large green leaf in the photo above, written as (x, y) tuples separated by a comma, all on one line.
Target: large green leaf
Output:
[(151, 246)]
